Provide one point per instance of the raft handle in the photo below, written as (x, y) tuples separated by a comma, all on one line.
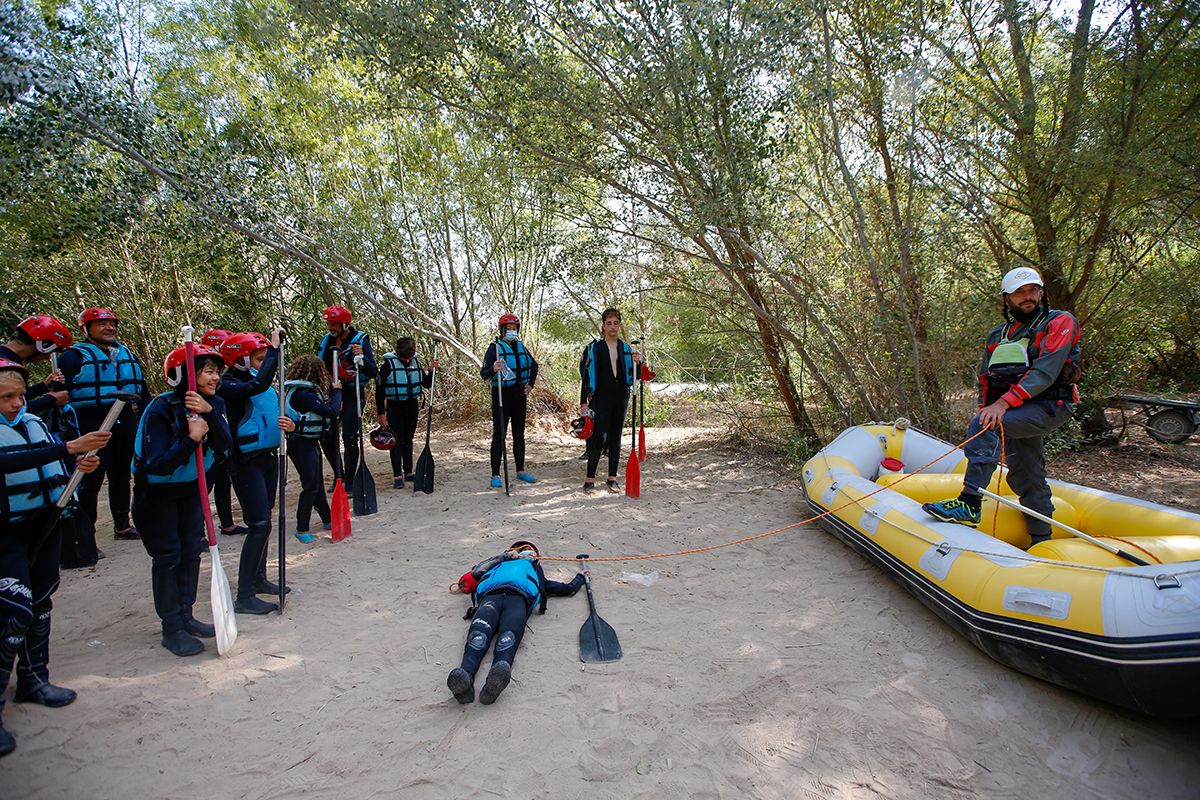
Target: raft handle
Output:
[(943, 549), (1167, 582)]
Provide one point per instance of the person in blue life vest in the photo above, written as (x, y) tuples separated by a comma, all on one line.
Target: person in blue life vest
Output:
[(166, 497), (36, 338), (397, 397), (349, 343), (313, 414), (510, 369), (1027, 382), (509, 587), (222, 486), (34, 470), (607, 373), (252, 407), (93, 370)]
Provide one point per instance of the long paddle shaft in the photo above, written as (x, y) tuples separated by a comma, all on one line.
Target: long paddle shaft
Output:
[(423, 473), (282, 482), (339, 506), (110, 419), (220, 595), (641, 443), (504, 373), (1116, 551)]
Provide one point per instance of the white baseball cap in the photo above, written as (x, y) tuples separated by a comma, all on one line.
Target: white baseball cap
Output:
[(1021, 276)]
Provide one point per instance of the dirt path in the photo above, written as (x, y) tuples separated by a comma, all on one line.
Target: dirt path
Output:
[(784, 668)]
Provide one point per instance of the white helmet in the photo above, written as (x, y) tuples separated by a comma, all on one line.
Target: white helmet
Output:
[(1016, 278)]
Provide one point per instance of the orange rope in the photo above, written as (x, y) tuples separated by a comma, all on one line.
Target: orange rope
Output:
[(1135, 546), (745, 539)]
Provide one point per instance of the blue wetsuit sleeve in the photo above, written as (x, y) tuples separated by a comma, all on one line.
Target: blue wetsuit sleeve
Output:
[(38, 456), (69, 363), (220, 437), (489, 358), (35, 390), (533, 370), (306, 399)]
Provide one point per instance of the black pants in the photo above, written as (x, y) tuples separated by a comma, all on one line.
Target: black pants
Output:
[(514, 414), (222, 489), (256, 480), (350, 424), (501, 616), (25, 591), (608, 426), (402, 417), (171, 525), (115, 462), (306, 455)]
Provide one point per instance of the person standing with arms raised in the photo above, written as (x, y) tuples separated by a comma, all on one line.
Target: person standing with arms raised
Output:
[(349, 343), (607, 373), (511, 370)]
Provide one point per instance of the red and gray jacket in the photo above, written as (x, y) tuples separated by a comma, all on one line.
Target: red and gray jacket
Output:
[(1035, 360)]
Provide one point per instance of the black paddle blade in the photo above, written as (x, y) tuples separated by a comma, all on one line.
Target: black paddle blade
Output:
[(362, 490), (423, 480), (598, 641)]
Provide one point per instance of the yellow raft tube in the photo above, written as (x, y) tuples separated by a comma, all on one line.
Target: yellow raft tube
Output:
[(1066, 611)]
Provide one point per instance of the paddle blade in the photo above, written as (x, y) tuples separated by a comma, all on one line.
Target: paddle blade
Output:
[(222, 605), (598, 641), (633, 477), (642, 443), (423, 482), (339, 509), (362, 489)]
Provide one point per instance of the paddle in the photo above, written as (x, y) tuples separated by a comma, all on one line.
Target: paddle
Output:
[(220, 595), (282, 482), (633, 471), (363, 485), (1116, 551), (339, 507), (641, 444), (110, 419), (423, 475), (597, 639), (504, 373)]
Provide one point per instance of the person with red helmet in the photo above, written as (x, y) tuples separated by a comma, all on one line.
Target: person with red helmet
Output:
[(166, 504), (222, 487), (607, 374), (352, 346), (252, 405), (215, 337), (34, 471), (397, 398), (93, 370), (509, 368), (36, 338), (306, 403)]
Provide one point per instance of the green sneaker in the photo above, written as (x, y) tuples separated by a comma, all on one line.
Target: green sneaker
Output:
[(953, 511)]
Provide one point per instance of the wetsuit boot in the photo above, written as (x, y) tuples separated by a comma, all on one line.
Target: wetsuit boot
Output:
[(189, 583), (498, 677), (33, 667), (252, 553), (11, 640), (461, 684), (165, 584), (261, 584)]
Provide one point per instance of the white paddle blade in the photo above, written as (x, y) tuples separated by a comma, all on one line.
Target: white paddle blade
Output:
[(222, 606)]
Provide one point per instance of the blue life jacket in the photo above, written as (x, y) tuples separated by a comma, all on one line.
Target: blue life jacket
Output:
[(345, 355), (520, 363), (403, 382), (517, 574), (101, 374), (258, 429), (24, 492), (590, 357), (185, 473), (309, 424)]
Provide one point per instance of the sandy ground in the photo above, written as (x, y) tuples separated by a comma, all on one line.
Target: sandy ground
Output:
[(783, 668)]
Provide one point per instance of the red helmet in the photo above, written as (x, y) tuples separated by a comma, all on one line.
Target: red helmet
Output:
[(90, 315), (466, 584), (337, 314), (6, 364), (509, 319), (646, 374), (48, 334), (383, 439), (173, 363), (238, 347), (581, 427), (215, 337)]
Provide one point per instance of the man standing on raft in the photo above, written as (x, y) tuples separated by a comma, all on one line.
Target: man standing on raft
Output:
[(1027, 383)]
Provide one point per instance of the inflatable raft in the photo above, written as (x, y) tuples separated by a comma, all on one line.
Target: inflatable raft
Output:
[(1065, 611)]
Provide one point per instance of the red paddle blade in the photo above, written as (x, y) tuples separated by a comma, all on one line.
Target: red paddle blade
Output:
[(633, 477), (642, 443), (339, 509)]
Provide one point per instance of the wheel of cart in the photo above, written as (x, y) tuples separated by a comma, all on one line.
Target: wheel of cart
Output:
[(1167, 421)]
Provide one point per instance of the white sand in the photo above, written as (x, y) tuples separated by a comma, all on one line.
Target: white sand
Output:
[(784, 668)]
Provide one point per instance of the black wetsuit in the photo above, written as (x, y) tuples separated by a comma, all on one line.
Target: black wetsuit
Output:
[(402, 416), (608, 400), (305, 453)]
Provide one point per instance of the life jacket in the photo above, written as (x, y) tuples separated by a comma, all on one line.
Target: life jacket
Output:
[(590, 358), (26, 491), (309, 424), (1010, 358), (520, 364), (258, 429), (185, 473), (517, 574), (346, 366), (101, 374), (402, 382)]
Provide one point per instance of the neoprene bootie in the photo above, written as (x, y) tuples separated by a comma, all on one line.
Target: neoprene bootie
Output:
[(8, 742), (461, 684), (182, 644), (188, 581), (47, 695), (498, 677), (252, 605)]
